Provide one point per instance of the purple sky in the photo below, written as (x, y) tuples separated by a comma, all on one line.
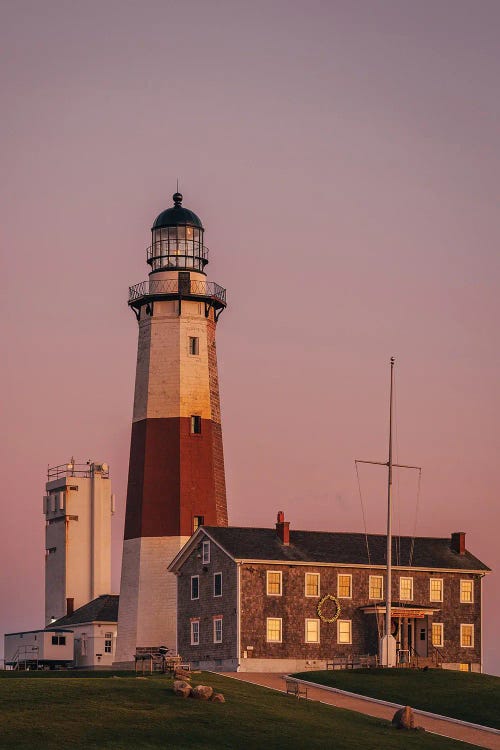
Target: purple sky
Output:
[(344, 158)]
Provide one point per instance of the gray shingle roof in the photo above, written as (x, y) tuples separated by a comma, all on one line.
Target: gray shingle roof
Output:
[(102, 609), (341, 547)]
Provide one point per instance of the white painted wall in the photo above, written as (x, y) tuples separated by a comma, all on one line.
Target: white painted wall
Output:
[(39, 642), (77, 542), (147, 614), (91, 642)]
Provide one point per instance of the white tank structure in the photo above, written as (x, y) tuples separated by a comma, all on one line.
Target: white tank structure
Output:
[(78, 506), (176, 472)]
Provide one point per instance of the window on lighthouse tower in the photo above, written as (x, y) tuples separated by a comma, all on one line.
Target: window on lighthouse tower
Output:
[(195, 424)]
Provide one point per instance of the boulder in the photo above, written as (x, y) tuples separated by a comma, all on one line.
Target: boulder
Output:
[(404, 718), (182, 689), (218, 698), (181, 674), (202, 692)]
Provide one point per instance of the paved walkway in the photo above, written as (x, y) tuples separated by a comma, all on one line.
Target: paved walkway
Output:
[(480, 737)]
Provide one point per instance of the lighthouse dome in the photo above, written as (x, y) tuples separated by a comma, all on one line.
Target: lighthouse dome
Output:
[(176, 215)]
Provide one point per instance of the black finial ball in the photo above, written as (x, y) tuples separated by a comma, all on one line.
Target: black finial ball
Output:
[(177, 199)]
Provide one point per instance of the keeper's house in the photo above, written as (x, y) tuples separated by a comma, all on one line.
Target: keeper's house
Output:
[(280, 600)]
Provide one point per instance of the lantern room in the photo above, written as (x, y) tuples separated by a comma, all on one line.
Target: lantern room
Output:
[(177, 240)]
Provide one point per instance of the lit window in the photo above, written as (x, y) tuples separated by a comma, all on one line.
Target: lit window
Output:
[(195, 587), (466, 592), (197, 522), (273, 583), (437, 633), (436, 590), (467, 636), (218, 630), (406, 589), (195, 424), (205, 555), (274, 629), (312, 584), (376, 587), (344, 631), (194, 345), (195, 632), (344, 586), (108, 642), (217, 584), (464, 668), (312, 631)]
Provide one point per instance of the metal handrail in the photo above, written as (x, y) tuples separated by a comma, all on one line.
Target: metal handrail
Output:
[(77, 470), (190, 288), (437, 656)]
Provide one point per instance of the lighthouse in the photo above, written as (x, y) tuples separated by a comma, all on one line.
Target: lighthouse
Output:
[(176, 471)]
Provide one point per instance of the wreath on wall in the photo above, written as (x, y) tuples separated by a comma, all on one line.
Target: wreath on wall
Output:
[(321, 604)]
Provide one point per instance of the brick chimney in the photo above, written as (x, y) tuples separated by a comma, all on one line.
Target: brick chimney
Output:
[(283, 528), (458, 542), (70, 606)]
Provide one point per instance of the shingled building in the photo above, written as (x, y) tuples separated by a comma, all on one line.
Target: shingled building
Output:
[(274, 599)]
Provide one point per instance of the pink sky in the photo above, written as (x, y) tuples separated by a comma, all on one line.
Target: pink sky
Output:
[(344, 158)]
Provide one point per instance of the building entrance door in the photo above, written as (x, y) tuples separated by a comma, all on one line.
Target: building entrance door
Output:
[(421, 637)]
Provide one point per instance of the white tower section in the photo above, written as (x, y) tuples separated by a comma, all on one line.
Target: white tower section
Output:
[(78, 506)]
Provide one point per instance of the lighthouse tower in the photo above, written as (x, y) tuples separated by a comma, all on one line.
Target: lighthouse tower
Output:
[(176, 472)]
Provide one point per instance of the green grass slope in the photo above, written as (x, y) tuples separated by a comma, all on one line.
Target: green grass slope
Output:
[(59, 712), (461, 695)]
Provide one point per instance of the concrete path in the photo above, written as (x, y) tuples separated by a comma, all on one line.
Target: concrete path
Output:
[(447, 728)]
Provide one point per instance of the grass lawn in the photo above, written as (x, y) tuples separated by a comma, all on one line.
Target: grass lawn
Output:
[(462, 695), (65, 710)]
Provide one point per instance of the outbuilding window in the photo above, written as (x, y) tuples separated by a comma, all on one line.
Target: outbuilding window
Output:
[(466, 591), (344, 631), (436, 590), (217, 584), (195, 587), (406, 589), (312, 631), (195, 632), (274, 583), (312, 584), (467, 636), (205, 553), (218, 630), (344, 586), (274, 629)]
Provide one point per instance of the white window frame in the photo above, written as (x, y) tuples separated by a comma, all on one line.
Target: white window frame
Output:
[(215, 576), (343, 622), (195, 598), (343, 596), (439, 625), (195, 632), (466, 625), (431, 580), (470, 582), (405, 598), (276, 619), (280, 574), (312, 596), (109, 638), (217, 619), (376, 598), (317, 621), (205, 552)]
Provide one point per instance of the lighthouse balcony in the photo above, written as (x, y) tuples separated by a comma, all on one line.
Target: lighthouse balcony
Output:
[(183, 286)]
